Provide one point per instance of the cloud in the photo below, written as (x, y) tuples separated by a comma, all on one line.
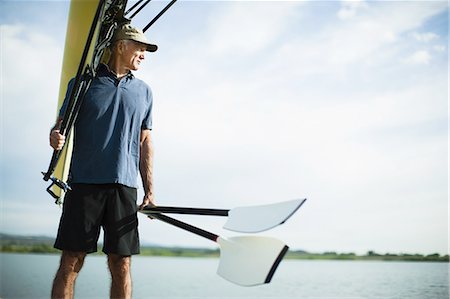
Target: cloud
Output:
[(18, 218), (368, 40), (349, 8), (428, 48), (419, 57), (31, 66), (439, 48), (324, 110), (324, 115), (425, 37), (253, 27)]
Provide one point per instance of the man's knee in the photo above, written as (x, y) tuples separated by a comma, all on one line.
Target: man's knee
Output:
[(72, 261), (119, 265)]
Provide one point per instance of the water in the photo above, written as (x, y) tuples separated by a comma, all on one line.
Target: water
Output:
[(30, 276)]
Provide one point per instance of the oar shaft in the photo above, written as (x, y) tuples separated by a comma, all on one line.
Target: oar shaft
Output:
[(133, 7), (188, 211), (159, 15), (187, 227), (140, 8)]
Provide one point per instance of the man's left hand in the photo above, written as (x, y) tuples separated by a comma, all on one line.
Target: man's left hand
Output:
[(148, 200)]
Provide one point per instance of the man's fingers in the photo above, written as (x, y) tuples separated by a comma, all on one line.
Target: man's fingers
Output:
[(142, 206), (57, 140), (148, 201), (146, 204)]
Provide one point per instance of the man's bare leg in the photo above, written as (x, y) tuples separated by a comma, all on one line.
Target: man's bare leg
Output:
[(121, 276), (69, 267)]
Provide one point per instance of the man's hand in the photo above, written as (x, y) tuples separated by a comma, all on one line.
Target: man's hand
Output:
[(57, 140), (148, 200), (146, 168)]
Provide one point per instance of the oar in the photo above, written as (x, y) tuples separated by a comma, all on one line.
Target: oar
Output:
[(249, 219), (244, 260), (159, 15)]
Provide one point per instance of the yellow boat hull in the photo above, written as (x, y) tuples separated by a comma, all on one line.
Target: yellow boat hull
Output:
[(81, 16)]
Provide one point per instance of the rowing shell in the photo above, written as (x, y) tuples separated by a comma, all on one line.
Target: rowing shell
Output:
[(81, 15)]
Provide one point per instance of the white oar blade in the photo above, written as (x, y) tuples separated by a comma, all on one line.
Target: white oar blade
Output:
[(253, 219), (250, 260)]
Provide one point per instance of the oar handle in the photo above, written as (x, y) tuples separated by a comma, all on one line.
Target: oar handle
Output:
[(184, 210), (186, 226)]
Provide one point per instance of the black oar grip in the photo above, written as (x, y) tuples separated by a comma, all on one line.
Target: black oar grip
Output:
[(187, 211), (51, 167)]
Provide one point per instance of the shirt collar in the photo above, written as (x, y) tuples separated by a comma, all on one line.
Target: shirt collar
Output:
[(104, 70)]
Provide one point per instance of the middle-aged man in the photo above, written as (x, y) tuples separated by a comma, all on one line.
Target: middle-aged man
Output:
[(111, 145)]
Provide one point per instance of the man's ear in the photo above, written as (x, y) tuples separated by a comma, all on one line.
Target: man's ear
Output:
[(120, 47)]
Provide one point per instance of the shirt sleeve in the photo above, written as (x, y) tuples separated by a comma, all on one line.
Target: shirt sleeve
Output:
[(147, 122), (63, 108)]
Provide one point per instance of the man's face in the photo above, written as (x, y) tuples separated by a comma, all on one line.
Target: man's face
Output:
[(132, 55)]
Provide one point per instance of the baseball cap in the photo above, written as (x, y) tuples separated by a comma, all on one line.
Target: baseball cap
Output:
[(129, 32)]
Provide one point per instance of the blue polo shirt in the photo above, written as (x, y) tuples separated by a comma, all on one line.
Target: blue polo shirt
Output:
[(107, 130)]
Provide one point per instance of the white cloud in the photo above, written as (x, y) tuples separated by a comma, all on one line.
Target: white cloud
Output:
[(349, 8), (18, 217), (370, 40), (439, 48), (419, 57), (253, 26), (425, 37), (31, 65), (315, 116), (244, 128)]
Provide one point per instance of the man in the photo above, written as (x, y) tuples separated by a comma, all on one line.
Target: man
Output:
[(111, 143)]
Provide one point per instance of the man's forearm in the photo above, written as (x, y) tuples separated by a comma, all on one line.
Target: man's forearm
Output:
[(146, 165)]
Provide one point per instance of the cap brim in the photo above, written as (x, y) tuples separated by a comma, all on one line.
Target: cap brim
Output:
[(148, 47), (151, 47)]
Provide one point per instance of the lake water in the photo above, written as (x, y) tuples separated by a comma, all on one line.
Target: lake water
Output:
[(30, 276)]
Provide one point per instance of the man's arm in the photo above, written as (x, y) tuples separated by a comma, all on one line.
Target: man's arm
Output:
[(56, 139), (146, 168)]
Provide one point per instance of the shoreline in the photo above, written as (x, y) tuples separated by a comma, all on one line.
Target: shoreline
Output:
[(46, 248)]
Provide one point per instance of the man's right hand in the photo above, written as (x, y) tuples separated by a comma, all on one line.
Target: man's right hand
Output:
[(57, 140)]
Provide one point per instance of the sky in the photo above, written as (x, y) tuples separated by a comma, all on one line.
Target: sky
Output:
[(344, 103)]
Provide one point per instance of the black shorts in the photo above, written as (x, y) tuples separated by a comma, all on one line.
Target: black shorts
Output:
[(90, 206)]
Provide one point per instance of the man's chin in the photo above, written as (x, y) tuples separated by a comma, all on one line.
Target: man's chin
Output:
[(134, 67)]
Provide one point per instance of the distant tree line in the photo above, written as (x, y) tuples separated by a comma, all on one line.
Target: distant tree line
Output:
[(370, 255), (47, 247)]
